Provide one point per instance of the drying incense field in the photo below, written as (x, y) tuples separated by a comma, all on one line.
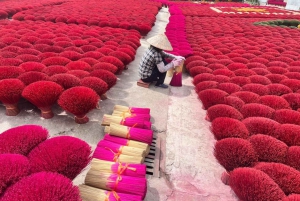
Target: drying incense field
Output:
[(231, 132)]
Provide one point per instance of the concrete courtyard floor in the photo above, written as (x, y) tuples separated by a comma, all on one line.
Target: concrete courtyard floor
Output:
[(189, 171)]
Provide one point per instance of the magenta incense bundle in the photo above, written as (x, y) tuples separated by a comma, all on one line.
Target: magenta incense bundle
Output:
[(109, 155), (138, 134), (118, 183), (132, 170), (132, 109), (126, 142), (126, 150), (146, 117), (136, 121), (96, 194)]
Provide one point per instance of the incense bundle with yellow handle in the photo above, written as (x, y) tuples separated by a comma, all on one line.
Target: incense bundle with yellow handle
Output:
[(109, 155), (89, 193), (123, 141), (146, 117), (126, 150), (132, 170), (138, 110), (136, 121), (116, 182), (138, 134)]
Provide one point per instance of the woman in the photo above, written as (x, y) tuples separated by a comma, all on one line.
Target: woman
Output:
[(153, 66)]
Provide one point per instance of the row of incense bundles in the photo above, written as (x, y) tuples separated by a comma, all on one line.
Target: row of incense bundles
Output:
[(117, 172)]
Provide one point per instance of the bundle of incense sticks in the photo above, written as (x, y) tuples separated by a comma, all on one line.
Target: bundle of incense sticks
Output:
[(132, 109), (146, 117), (88, 193), (138, 134), (123, 141), (126, 150), (136, 121), (109, 155), (116, 182), (132, 170)]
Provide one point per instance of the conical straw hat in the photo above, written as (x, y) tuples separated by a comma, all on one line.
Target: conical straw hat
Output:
[(160, 41)]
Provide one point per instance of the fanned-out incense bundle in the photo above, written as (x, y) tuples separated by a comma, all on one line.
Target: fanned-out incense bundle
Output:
[(138, 110), (126, 150), (132, 170), (128, 121), (118, 183), (123, 141), (138, 134), (146, 117), (109, 155), (88, 193)]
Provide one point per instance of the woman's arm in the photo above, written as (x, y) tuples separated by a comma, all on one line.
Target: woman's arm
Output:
[(167, 55)]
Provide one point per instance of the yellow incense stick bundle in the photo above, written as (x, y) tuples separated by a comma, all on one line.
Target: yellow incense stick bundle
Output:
[(126, 142), (109, 155), (133, 170), (88, 193), (116, 182), (108, 119), (122, 149), (118, 130)]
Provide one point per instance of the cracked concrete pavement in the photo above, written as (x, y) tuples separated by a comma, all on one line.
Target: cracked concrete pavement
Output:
[(189, 171)]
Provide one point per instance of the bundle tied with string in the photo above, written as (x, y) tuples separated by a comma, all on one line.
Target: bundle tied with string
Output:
[(118, 183), (176, 80), (88, 193), (109, 155), (146, 117), (126, 150), (132, 133), (136, 121), (126, 169), (137, 110), (126, 142)]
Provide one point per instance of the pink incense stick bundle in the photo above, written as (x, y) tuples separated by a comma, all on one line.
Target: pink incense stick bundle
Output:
[(136, 122), (96, 194), (142, 135), (132, 170), (109, 155), (138, 134), (138, 110), (118, 183), (146, 117), (176, 80), (130, 143), (128, 121), (177, 76), (131, 151)]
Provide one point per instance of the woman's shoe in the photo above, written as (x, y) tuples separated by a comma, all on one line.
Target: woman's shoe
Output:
[(161, 86)]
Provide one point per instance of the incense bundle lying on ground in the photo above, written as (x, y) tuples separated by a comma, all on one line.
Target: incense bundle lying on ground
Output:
[(128, 121), (88, 193), (126, 150), (109, 155), (132, 170), (138, 134), (123, 141), (132, 109), (146, 117), (115, 182)]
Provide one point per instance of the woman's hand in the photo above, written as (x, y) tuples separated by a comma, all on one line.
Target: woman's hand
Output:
[(180, 57)]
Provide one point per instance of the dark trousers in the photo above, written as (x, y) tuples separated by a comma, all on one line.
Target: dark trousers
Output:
[(156, 76)]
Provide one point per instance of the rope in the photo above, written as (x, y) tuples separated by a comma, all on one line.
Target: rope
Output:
[(116, 155), (114, 194)]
